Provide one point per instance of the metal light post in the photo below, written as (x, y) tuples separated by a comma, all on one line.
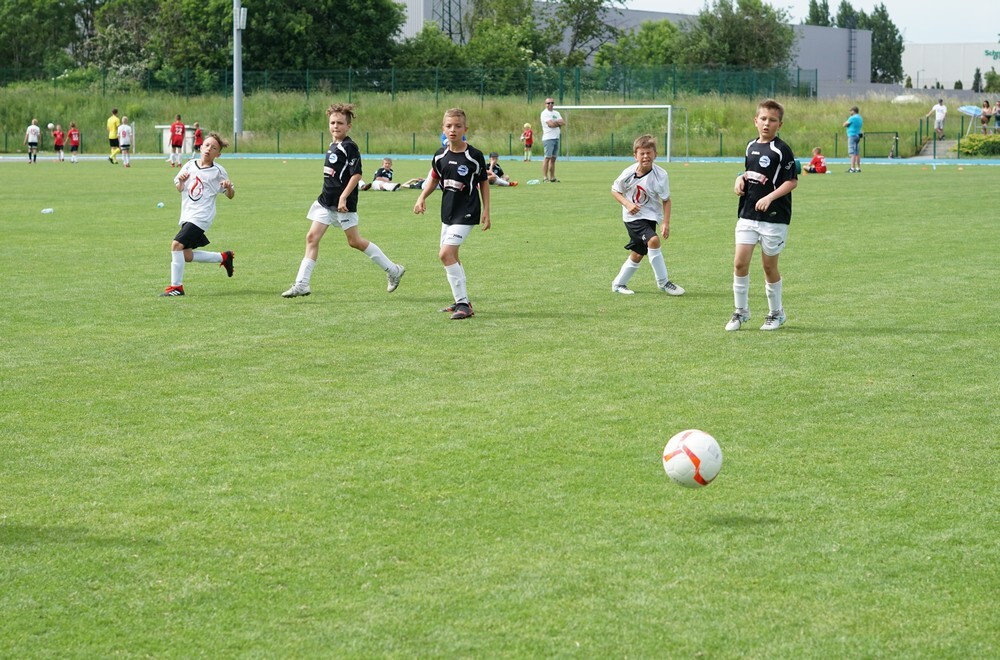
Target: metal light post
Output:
[(918, 77), (239, 24)]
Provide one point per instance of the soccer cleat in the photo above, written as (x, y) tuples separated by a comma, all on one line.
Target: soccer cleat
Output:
[(298, 289), (513, 184), (622, 289), (462, 311), (394, 280), (671, 288), (773, 320), (227, 262), (172, 291), (452, 307), (740, 316)]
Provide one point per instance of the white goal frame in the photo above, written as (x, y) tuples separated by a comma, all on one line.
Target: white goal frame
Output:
[(668, 108)]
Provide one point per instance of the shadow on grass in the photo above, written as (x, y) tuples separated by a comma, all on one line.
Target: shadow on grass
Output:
[(30, 535)]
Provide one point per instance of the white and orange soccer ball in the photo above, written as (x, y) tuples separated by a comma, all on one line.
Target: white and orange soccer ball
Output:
[(692, 458)]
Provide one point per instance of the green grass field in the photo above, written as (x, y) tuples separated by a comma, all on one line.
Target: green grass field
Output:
[(353, 475)]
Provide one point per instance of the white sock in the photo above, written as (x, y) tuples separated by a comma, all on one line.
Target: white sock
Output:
[(376, 255), (625, 274), (773, 291), (177, 268), (207, 257), (741, 288), (501, 182), (456, 279), (659, 265), (305, 271)]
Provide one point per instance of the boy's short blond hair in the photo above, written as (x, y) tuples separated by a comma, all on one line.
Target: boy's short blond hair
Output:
[(346, 109), (644, 142), (218, 138), (527, 125), (457, 112), (817, 150), (771, 104)]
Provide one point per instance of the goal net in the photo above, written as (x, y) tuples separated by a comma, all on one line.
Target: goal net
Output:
[(656, 120)]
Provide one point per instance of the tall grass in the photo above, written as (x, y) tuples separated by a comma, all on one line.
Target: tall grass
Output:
[(409, 123)]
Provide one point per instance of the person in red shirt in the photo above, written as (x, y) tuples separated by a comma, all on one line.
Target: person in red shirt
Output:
[(177, 130), (818, 163), (74, 141), (58, 140), (198, 140), (528, 138)]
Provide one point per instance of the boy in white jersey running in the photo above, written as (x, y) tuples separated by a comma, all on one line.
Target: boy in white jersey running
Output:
[(765, 211), (198, 182), (643, 190)]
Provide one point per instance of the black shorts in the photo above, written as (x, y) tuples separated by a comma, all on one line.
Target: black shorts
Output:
[(32, 145), (191, 236), (74, 147), (58, 147), (113, 142), (640, 231)]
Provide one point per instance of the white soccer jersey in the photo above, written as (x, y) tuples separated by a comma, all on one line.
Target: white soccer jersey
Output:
[(649, 191), (125, 135), (33, 133), (198, 196)]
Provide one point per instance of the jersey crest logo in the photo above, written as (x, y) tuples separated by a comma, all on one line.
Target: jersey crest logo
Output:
[(462, 170), (196, 190), (332, 157), (640, 196), (765, 161)]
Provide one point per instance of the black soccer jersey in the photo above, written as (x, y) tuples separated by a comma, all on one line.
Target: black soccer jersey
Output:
[(342, 162), (383, 173), (460, 175), (496, 169), (768, 165)]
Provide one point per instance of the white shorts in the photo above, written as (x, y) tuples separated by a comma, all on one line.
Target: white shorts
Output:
[(319, 213), (385, 185), (455, 234), (771, 235)]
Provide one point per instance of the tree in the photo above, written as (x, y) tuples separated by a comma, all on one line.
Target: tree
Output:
[(747, 34), (654, 43), (847, 16), (120, 39), (502, 45), (36, 34), (887, 45), (430, 48), (958, 84), (992, 84), (581, 25), (819, 13)]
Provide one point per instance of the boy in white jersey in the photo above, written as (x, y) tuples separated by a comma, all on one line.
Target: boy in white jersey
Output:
[(125, 141), (199, 181), (32, 137), (337, 204), (765, 211), (643, 190)]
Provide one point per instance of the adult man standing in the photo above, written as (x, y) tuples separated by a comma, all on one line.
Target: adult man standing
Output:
[(854, 126), (552, 123), (939, 111), (113, 123)]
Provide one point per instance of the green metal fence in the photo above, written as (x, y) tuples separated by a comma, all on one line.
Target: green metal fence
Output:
[(567, 84)]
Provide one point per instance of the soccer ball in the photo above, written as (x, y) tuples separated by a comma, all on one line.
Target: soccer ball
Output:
[(692, 458), (51, 126)]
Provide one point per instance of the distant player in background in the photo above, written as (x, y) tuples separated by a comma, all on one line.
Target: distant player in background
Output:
[(32, 136), (460, 170), (528, 138), (818, 163), (855, 131), (199, 182), (383, 178), (113, 123), (643, 190), (59, 141), (764, 213), (125, 141), (199, 138), (74, 141), (177, 130), (337, 204), (940, 111), (495, 174)]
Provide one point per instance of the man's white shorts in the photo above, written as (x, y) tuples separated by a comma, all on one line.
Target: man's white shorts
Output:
[(770, 235), (319, 213), (455, 234)]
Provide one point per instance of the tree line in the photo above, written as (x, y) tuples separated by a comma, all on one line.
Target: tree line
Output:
[(130, 38)]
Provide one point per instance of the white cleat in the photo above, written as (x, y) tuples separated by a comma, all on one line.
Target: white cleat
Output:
[(622, 289), (394, 279), (298, 289), (774, 320), (672, 289), (740, 316)]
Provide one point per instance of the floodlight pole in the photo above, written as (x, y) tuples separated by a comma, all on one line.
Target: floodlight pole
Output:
[(239, 24)]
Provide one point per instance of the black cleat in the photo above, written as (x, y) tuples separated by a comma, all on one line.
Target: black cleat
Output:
[(462, 311), (173, 291), (227, 262)]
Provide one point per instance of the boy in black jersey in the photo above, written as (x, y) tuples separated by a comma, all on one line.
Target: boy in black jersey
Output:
[(460, 170), (338, 204), (765, 211)]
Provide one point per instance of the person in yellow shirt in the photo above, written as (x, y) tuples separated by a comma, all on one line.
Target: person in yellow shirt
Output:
[(113, 124)]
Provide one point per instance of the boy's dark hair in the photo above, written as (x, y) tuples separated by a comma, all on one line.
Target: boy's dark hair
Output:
[(644, 142), (771, 104), (218, 138), (854, 109), (346, 109), (494, 154)]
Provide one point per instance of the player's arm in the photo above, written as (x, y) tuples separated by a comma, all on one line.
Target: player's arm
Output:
[(352, 183), (740, 186), (631, 207), (665, 229), (764, 203), (430, 184), (228, 188), (484, 191), (180, 179)]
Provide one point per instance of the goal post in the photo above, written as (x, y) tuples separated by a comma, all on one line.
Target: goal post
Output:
[(668, 109)]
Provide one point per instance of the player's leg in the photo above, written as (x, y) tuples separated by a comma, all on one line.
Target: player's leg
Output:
[(773, 240), (452, 237), (746, 240), (659, 265)]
